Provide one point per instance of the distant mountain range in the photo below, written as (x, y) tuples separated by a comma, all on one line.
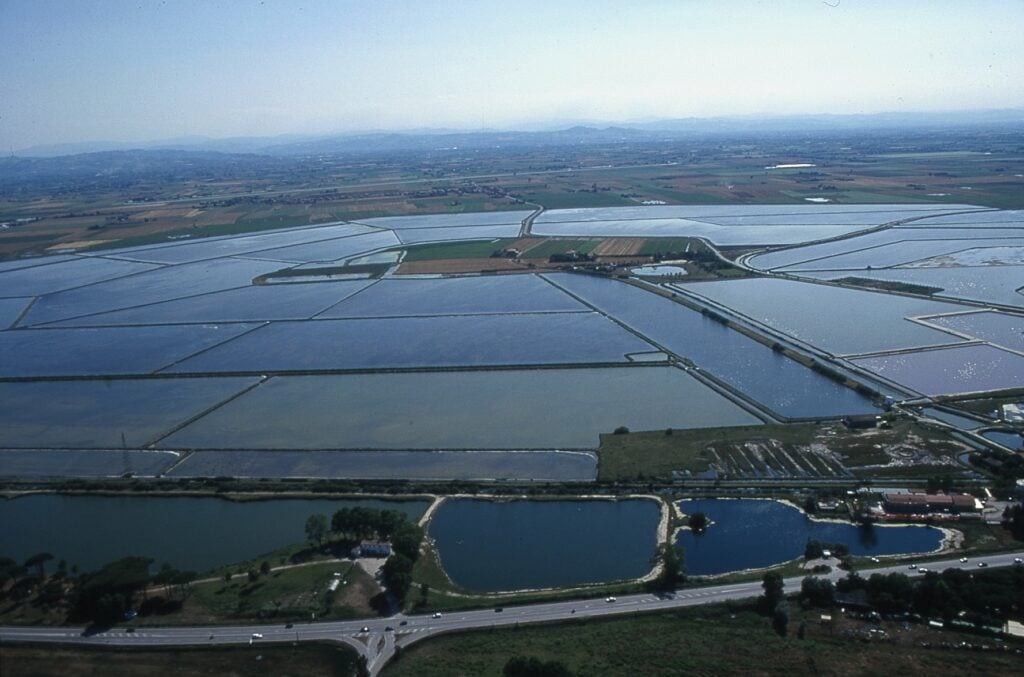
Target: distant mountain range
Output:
[(579, 134)]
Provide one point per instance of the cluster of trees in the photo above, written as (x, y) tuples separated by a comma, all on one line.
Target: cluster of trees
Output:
[(354, 524), (1013, 520), (405, 547), (102, 596), (815, 549), (982, 595)]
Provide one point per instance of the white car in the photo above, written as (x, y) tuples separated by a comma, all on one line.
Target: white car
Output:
[(609, 599), (437, 614), (257, 635), (1018, 560), (963, 560)]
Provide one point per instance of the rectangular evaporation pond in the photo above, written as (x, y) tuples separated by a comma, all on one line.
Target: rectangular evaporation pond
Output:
[(95, 414), (34, 261), (65, 275), (895, 254), (154, 286), (722, 235), (711, 212), (456, 296), (867, 241), (330, 250), (837, 320), (446, 341), (950, 371), (84, 462), (298, 301), (990, 284), (201, 250), (778, 383), (988, 325), (108, 350), (985, 218), (836, 218), (419, 235), (10, 309), (448, 220), (542, 466), (513, 409)]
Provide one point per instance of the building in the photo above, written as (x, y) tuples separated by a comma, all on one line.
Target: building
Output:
[(372, 549), (920, 503)]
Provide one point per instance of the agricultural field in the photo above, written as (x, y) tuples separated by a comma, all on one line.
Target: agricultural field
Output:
[(794, 453)]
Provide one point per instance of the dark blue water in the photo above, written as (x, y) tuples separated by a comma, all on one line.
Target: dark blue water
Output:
[(750, 534), (489, 546), (190, 533), (1007, 438), (782, 385)]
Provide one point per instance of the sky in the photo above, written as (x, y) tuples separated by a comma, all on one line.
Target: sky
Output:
[(112, 70)]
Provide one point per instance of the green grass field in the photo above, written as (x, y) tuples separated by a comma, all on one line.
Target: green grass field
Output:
[(704, 641), (293, 593), (455, 250), (250, 661)]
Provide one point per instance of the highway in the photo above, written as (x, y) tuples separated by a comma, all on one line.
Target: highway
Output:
[(377, 643)]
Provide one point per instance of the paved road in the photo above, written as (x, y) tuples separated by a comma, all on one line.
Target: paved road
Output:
[(378, 643)]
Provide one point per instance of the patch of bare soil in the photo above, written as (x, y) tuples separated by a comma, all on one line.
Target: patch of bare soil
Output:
[(619, 246)]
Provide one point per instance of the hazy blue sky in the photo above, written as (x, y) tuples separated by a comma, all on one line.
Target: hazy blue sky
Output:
[(85, 70)]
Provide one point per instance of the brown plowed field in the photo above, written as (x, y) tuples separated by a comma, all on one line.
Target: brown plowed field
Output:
[(526, 244), (619, 246)]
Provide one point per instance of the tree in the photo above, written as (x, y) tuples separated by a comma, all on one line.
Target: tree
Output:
[(698, 522), (407, 540), (813, 549), (265, 567), (316, 528), (818, 592), (780, 618), (38, 561), (773, 590), (397, 572), (104, 592)]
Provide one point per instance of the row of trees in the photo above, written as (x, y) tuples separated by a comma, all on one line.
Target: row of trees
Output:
[(102, 596)]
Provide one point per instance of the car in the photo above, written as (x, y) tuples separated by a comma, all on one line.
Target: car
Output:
[(365, 629), (1018, 560), (129, 629), (982, 564), (388, 628), (404, 623), (609, 599), (289, 625), (875, 560), (963, 560), (922, 570), (498, 609), (257, 635), (437, 614), (912, 566)]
